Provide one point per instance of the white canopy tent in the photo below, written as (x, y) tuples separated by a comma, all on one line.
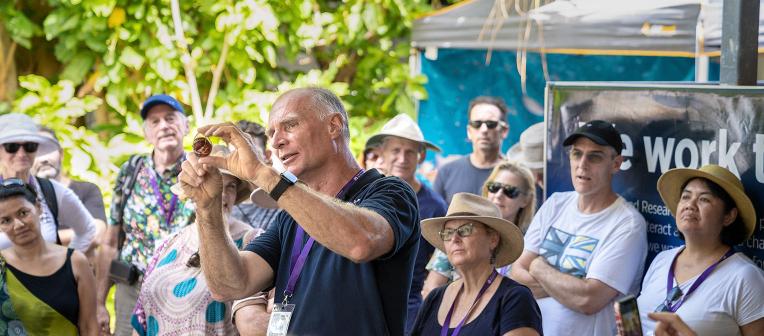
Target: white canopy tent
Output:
[(621, 27)]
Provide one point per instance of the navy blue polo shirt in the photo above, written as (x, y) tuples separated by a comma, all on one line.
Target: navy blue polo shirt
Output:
[(335, 296)]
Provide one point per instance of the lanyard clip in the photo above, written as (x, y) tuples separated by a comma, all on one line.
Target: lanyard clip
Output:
[(286, 298)]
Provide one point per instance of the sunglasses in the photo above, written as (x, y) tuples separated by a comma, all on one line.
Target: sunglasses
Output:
[(509, 190), (491, 124), (13, 147), (465, 230), (673, 295)]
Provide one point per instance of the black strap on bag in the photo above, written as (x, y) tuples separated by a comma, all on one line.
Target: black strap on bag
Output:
[(49, 193), (133, 168)]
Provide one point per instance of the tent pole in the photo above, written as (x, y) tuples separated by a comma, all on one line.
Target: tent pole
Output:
[(740, 39)]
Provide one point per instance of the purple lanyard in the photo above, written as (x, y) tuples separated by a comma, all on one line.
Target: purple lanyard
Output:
[(503, 270), (447, 322), (300, 255), (167, 211), (703, 276)]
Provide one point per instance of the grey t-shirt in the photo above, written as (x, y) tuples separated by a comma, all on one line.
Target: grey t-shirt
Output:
[(460, 176), (91, 198)]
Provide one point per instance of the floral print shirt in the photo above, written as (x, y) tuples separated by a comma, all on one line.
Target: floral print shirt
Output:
[(144, 220)]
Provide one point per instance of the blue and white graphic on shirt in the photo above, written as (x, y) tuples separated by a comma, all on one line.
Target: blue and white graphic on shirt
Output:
[(568, 253)]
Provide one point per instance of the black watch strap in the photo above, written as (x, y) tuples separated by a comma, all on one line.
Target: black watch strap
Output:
[(287, 180)]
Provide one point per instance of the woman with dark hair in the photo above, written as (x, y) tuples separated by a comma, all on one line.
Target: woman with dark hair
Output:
[(45, 289), (711, 287)]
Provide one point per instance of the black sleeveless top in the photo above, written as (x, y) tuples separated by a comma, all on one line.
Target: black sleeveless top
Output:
[(58, 290)]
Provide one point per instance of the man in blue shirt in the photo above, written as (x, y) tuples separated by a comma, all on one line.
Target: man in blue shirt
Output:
[(487, 128), (341, 253), (402, 148)]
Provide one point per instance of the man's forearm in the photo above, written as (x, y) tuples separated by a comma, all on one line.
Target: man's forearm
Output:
[(365, 235), (105, 255), (220, 259), (522, 276), (570, 291)]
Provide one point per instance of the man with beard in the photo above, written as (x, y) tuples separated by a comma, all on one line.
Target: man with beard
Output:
[(143, 210), (49, 166), (487, 128)]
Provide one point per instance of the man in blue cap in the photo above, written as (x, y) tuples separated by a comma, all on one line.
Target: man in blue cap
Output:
[(143, 209)]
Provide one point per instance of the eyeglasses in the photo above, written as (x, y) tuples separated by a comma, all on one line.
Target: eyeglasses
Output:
[(194, 260), (491, 124), (592, 157), (13, 147), (465, 230), (673, 295), (509, 190)]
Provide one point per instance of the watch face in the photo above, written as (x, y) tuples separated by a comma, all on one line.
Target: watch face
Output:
[(289, 176)]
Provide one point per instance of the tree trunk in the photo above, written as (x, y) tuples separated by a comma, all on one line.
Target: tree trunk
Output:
[(8, 83)]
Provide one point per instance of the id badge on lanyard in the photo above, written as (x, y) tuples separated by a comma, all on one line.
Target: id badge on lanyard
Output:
[(280, 317), (282, 312)]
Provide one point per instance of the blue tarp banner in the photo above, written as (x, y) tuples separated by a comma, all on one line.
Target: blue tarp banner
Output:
[(456, 76), (665, 127)]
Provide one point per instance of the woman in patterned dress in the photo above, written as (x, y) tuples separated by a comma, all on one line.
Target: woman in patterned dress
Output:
[(174, 298)]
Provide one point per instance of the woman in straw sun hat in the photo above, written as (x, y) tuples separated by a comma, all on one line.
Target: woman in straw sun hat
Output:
[(715, 290), (477, 241), (511, 187)]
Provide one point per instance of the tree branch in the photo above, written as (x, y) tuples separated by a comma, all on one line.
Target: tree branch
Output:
[(188, 66), (216, 77)]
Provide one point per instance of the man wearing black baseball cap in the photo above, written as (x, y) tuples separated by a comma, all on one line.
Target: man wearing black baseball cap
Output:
[(143, 208), (587, 247)]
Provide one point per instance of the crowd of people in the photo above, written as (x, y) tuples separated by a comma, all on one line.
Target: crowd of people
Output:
[(284, 232)]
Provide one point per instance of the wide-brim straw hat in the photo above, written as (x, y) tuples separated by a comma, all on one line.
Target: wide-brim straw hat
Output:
[(404, 127), (19, 128), (670, 184), (475, 208), (244, 188), (530, 149)]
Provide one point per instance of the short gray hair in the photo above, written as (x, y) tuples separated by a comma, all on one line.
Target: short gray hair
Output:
[(327, 103), (322, 102)]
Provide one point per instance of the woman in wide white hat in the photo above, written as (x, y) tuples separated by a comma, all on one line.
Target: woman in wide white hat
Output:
[(477, 241), (20, 142), (707, 283)]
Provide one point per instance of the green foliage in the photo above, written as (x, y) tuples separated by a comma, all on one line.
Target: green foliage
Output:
[(115, 53)]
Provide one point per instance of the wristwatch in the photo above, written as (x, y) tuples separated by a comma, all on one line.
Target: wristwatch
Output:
[(287, 180)]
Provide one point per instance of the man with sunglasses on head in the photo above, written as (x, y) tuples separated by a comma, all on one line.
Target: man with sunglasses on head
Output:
[(584, 248), (486, 129), (143, 210), (402, 147)]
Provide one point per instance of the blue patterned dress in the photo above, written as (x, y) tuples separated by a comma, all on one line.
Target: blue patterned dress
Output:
[(174, 298)]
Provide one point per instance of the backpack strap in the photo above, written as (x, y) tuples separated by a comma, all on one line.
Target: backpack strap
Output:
[(49, 193), (133, 168)]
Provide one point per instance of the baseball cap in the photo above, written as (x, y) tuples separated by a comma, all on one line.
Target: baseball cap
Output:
[(160, 99), (600, 131)]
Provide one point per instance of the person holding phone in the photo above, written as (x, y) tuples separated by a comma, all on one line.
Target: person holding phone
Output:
[(713, 288)]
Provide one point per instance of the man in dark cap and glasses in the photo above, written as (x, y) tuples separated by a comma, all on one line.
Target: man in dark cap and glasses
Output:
[(586, 247)]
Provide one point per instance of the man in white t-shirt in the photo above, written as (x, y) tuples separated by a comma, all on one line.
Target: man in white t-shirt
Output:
[(587, 247)]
